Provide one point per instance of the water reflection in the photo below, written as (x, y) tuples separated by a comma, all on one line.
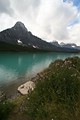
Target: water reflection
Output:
[(16, 65), (7, 75)]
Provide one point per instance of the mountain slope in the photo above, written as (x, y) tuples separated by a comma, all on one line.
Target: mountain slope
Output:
[(18, 38)]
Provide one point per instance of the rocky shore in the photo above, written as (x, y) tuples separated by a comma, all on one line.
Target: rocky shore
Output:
[(20, 88)]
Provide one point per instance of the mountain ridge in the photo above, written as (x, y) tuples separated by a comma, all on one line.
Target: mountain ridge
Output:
[(23, 40), (65, 45)]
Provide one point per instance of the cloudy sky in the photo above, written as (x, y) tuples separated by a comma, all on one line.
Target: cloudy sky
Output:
[(48, 19)]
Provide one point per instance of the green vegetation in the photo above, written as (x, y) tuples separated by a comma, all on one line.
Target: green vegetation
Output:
[(57, 92), (13, 109), (5, 109)]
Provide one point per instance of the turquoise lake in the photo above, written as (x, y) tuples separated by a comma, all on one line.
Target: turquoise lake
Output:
[(16, 66)]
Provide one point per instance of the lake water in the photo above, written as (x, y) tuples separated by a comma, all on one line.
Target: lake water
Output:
[(17, 67)]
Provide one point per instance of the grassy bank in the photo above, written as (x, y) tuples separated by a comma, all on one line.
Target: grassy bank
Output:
[(57, 93), (55, 97)]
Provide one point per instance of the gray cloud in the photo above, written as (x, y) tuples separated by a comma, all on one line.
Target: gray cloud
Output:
[(48, 19), (5, 7)]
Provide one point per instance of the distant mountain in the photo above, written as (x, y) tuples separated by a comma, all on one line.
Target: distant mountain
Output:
[(69, 45), (55, 43), (18, 38), (65, 45)]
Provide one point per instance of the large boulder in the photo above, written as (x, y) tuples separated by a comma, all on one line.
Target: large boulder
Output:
[(26, 88)]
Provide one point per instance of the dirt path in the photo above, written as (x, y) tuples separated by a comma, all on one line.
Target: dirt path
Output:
[(17, 112)]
